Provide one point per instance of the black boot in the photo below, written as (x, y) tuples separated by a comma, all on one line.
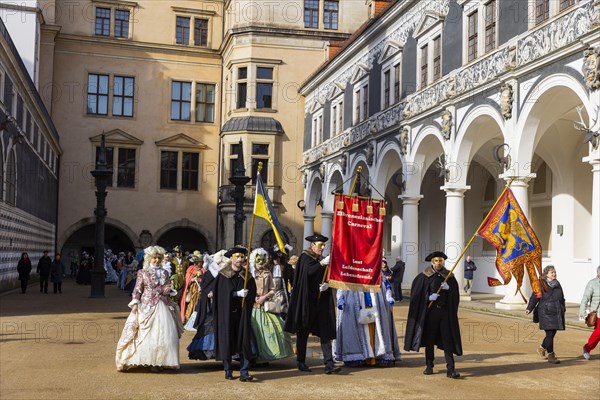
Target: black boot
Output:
[(330, 368), (303, 367), (452, 374), (229, 375), (246, 377), (428, 371)]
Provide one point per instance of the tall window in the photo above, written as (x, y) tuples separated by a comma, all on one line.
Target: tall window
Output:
[(542, 11), (264, 87), (317, 129), (181, 100), (357, 106), (260, 153), (242, 87), (337, 117), (424, 65), (190, 171), (386, 89), (472, 36), (205, 102), (311, 13), (330, 14), (11, 179), (102, 21), (334, 120), (97, 96), (490, 26), (200, 32), (122, 23), (234, 149), (397, 83), (126, 169), (182, 30), (365, 102), (168, 170), (437, 58), (566, 4), (123, 90)]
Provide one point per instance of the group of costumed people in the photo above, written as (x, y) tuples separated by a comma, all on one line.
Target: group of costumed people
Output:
[(120, 268), (243, 310)]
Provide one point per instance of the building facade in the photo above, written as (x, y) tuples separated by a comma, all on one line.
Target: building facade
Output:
[(29, 164), (442, 103)]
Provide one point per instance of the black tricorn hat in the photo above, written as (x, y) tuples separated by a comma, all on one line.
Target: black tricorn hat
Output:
[(316, 238), (234, 250), (436, 254)]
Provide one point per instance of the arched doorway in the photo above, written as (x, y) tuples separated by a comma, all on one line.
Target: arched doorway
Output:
[(268, 240), (84, 238), (187, 237)]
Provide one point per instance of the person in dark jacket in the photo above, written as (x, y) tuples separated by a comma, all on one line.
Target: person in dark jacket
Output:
[(397, 277), (549, 310), (43, 269), (469, 269), (436, 324), (24, 269), (311, 308), (232, 314), (57, 273)]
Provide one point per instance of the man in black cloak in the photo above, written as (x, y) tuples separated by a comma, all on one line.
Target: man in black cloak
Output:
[(311, 308), (231, 319), (438, 324)]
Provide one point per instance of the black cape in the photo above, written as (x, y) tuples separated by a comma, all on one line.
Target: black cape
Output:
[(232, 322), (308, 310), (415, 323), (204, 323)]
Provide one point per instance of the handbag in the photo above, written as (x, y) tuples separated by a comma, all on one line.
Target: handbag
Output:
[(591, 319), (277, 304), (367, 316)]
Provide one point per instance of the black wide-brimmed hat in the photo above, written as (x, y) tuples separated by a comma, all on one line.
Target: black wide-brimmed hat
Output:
[(234, 250), (178, 249), (436, 254), (316, 238)]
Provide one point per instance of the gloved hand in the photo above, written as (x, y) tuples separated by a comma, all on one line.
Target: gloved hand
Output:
[(445, 286), (325, 261), (341, 304), (433, 297), (323, 287), (241, 293), (389, 298)]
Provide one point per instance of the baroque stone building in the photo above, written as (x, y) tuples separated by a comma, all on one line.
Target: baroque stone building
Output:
[(443, 102)]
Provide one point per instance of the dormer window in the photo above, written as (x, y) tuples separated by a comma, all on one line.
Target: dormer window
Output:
[(429, 42), (479, 25)]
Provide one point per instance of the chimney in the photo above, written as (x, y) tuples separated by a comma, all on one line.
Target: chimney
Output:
[(333, 49)]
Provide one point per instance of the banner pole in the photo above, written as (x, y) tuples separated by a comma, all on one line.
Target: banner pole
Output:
[(358, 171), (250, 240), (474, 235)]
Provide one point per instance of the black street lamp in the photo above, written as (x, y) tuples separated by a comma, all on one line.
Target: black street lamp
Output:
[(102, 174), (239, 180)]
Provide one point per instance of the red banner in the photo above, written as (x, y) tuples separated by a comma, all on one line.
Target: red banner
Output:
[(356, 248)]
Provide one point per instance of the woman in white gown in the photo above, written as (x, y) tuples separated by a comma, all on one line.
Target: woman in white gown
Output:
[(151, 334)]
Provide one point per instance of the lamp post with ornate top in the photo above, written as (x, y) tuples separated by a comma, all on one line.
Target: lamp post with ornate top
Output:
[(239, 180), (102, 175)]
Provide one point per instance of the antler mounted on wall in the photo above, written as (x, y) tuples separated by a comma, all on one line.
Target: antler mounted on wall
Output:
[(591, 136), (441, 165), (505, 159)]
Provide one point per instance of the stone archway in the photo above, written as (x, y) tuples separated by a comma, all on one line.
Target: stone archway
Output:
[(91, 221), (83, 238), (186, 233)]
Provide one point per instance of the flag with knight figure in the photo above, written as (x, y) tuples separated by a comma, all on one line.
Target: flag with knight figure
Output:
[(517, 247), (356, 248)]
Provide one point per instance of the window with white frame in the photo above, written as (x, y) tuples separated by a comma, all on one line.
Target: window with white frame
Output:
[(361, 101), (428, 34), (480, 27), (317, 128), (182, 107), (184, 34), (255, 83), (260, 154), (541, 11), (390, 82), (337, 116)]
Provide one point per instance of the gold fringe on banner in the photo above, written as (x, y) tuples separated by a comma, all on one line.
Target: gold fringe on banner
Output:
[(355, 204), (357, 287), (340, 205), (369, 209)]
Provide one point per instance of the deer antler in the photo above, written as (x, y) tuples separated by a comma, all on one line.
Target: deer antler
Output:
[(590, 135)]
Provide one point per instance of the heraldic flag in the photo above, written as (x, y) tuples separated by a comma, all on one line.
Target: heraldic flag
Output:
[(264, 208), (507, 229)]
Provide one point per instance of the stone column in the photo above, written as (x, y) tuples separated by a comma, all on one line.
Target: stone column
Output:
[(512, 299), (309, 229), (594, 160), (455, 232), (410, 237), (326, 229)]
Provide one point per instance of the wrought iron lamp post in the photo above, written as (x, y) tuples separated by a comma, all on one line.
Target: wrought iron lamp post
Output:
[(239, 180), (102, 174)]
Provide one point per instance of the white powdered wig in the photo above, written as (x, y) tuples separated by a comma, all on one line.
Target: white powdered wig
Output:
[(151, 252)]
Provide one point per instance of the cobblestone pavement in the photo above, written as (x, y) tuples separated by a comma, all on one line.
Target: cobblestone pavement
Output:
[(62, 346)]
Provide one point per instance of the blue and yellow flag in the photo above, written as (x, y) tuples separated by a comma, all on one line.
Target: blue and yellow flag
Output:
[(264, 209), (517, 247)]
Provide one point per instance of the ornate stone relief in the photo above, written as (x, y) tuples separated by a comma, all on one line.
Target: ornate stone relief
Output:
[(322, 170), (370, 154), (506, 100), (447, 124), (404, 140), (591, 68), (304, 179), (145, 238), (343, 163)]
